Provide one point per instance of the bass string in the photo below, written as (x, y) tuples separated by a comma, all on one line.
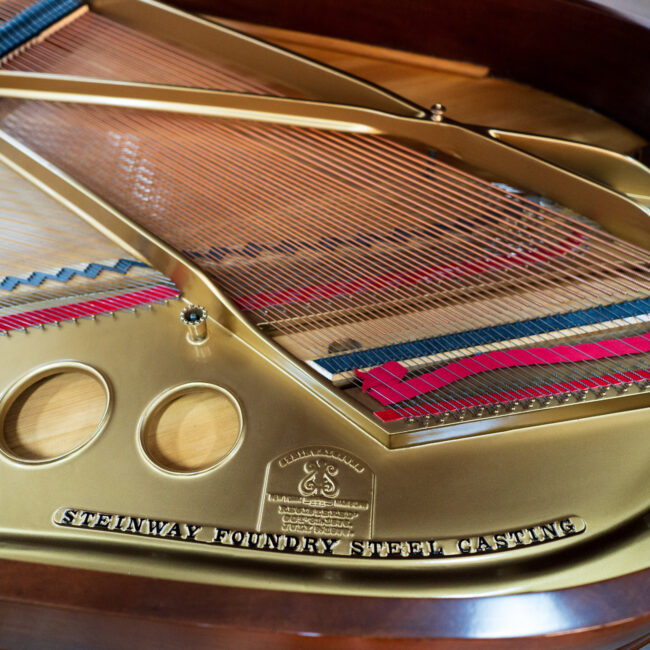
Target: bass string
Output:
[(366, 160), (446, 319), (390, 313), (93, 45), (480, 251), (307, 187), (608, 269), (178, 65), (310, 224), (401, 159), (117, 31), (420, 177)]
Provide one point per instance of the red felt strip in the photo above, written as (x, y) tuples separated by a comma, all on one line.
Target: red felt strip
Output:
[(386, 386), (549, 390), (88, 308)]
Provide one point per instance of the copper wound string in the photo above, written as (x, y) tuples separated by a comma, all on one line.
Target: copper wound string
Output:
[(376, 164), (93, 45)]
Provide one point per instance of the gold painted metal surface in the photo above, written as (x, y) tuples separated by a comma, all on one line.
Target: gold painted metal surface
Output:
[(420, 494), (616, 170), (312, 483)]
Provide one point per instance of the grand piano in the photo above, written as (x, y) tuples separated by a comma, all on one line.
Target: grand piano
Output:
[(333, 339)]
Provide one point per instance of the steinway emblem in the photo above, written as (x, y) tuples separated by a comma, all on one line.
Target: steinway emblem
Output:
[(318, 481), (322, 491)]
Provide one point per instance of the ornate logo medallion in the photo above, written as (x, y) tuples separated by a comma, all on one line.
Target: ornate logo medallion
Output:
[(322, 491)]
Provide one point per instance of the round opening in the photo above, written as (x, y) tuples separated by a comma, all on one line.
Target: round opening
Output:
[(191, 428), (53, 412)]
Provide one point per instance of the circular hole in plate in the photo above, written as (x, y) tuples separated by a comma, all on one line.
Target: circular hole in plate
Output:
[(191, 428), (53, 412)]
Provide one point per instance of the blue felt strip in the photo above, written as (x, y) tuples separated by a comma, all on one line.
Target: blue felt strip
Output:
[(482, 336)]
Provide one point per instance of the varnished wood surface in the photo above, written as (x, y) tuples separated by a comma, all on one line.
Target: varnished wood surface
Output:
[(46, 607), (54, 416), (193, 432)]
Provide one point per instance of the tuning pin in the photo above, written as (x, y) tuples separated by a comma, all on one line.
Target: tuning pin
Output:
[(512, 406), (622, 388)]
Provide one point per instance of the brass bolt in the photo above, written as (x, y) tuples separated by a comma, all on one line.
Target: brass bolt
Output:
[(194, 317), (438, 112)]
